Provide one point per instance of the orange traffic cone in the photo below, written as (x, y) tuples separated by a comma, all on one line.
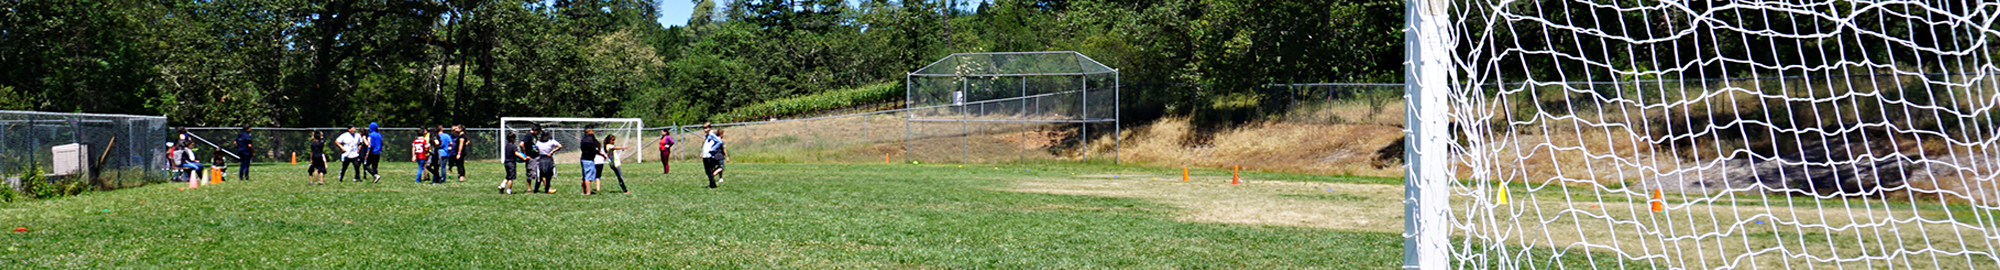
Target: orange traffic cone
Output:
[(1659, 203), (295, 158), (1184, 174), (1236, 175)]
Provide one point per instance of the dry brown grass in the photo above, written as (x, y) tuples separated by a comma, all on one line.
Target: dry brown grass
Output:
[(1561, 152), (1342, 149), (1577, 221), (1355, 207), (1357, 112)]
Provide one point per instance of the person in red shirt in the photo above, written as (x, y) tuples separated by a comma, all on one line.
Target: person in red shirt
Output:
[(666, 141), (418, 148)]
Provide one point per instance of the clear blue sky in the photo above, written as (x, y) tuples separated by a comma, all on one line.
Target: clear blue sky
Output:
[(675, 12)]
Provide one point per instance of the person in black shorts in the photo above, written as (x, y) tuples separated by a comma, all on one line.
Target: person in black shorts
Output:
[(317, 171), (511, 156), (548, 147), (712, 157)]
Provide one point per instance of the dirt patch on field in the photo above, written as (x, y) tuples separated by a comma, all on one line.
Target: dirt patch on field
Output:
[(1359, 207)]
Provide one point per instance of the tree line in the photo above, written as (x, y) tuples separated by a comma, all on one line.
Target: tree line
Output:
[(319, 63)]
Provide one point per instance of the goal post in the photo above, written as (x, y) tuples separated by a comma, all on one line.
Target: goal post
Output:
[(1428, 174), (1604, 134), (569, 131)]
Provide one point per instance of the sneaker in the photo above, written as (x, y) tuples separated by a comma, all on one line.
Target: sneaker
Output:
[(509, 191)]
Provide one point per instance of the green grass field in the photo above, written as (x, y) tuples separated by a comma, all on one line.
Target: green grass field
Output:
[(766, 216)]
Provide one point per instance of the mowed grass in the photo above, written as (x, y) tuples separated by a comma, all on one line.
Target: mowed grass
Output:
[(766, 216)]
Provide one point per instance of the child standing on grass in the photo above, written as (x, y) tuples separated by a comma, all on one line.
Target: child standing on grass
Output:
[(243, 153), (418, 148), (533, 153), (316, 171), (712, 157), (440, 161), (374, 156), (548, 147), (511, 155), (612, 151), (589, 159), (350, 144), (457, 150)]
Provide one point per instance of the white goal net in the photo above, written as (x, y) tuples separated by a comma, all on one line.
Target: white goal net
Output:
[(1598, 134), (570, 131)]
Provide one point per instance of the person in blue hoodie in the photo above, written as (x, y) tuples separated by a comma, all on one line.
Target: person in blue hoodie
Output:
[(375, 150)]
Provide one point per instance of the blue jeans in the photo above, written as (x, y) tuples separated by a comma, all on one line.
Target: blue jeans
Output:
[(243, 171), (589, 170), (420, 169), (187, 170)]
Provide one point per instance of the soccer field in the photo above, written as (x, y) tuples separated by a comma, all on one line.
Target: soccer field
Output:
[(765, 216)]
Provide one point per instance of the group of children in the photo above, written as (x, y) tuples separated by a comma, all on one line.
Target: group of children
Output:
[(537, 149), (357, 150), (436, 151)]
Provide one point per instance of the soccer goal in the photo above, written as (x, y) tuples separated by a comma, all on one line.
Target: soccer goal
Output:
[(569, 132), (1597, 134)]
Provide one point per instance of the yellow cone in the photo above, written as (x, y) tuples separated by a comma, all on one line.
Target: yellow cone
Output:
[(1502, 197)]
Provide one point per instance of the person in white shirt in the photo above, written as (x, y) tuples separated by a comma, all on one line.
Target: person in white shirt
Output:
[(713, 154), (548, 147), (350, 153), (612, 152)]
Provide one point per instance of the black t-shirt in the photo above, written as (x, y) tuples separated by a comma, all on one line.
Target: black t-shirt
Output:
[(509, 150), (318, 147), (529, 141), (589, 147)]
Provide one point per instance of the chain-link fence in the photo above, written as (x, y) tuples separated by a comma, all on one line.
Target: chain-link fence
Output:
[(984, 107), (285, 144), (111, 150)]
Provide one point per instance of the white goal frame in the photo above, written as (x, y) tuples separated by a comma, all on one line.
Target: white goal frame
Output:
[(633, 135)]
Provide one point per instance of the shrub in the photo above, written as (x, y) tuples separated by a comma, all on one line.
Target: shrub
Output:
[(39, 187), (9, 195), (36, 185), (816, 102)]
